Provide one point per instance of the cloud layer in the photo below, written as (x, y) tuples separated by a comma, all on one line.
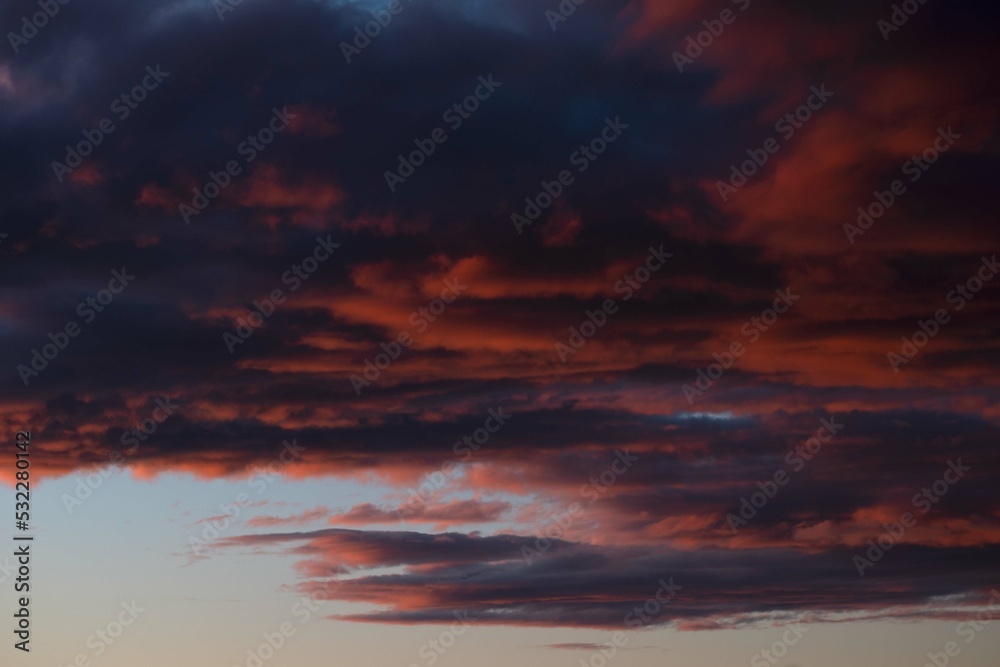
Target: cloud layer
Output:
[(654, 394)]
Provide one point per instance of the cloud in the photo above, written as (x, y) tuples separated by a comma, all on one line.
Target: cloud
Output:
[(580, 585), (622, 389)]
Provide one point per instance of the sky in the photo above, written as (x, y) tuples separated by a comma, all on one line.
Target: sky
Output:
[(438, 332)]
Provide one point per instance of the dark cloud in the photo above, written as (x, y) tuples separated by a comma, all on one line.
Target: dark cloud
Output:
[(656, 185), (589, 586)]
